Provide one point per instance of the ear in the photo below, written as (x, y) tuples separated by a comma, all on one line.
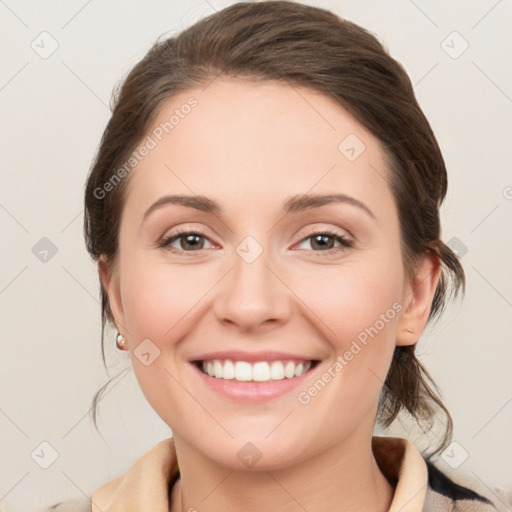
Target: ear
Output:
[(110, 282), (417, 299)]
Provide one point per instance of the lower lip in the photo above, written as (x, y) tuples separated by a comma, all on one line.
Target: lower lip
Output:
[(252, 391)]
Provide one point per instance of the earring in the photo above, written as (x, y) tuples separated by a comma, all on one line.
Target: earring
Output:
[(120, 341), (410, 330)]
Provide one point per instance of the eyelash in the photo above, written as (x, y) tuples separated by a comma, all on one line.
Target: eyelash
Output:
[(345, 242)]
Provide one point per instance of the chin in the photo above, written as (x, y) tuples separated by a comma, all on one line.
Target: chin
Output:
[(255, 453)]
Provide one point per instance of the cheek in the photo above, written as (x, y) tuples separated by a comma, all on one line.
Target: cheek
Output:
[(356, 298), (159, 299), (161, 304), (351, 308), (357, 311)]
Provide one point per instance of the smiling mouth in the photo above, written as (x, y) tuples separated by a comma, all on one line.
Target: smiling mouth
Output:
[(262, 371)]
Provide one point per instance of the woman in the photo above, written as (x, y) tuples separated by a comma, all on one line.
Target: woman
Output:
[(264, 211)]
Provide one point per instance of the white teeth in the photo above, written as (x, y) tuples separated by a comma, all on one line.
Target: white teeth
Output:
[(289, 370), (228, 371), (262, 371), (277, 370), (243, 371), (217, 369)]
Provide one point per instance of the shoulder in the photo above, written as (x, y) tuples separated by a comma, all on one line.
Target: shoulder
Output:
[(444, 494), (81, 504)]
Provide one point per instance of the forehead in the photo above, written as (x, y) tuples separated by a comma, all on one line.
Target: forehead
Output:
[(254, 141)]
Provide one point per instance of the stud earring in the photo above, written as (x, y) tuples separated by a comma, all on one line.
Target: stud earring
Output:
[(410, 330), (120, 341)]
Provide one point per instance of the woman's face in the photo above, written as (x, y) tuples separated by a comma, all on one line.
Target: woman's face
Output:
[(258, 280)]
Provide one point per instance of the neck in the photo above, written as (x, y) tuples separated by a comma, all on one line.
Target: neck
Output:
[(343, 477)]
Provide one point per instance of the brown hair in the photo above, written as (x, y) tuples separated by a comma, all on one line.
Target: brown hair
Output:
[(308, 47)]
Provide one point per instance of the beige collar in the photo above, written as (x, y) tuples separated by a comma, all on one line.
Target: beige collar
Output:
[(145, 485)]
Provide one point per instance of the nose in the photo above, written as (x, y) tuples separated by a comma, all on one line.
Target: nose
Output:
[(253, 297)]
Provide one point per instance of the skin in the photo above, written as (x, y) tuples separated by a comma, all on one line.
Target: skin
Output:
[(294, 297)]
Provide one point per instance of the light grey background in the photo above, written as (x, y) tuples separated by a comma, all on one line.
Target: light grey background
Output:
[(54, 110)]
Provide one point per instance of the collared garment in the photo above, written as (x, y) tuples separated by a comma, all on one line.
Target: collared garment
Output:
[(419, 485)]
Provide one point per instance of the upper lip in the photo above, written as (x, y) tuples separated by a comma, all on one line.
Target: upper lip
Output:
[(240, 355)]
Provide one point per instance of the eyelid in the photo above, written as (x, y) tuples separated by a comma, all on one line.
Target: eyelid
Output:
[(326, 230), (166, 240), (186, 229), (345, 242)]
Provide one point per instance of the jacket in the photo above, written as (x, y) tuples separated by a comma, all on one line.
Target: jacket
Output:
[(419, 485)]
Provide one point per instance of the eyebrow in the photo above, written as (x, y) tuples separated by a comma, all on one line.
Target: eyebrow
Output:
[(293, 204)]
